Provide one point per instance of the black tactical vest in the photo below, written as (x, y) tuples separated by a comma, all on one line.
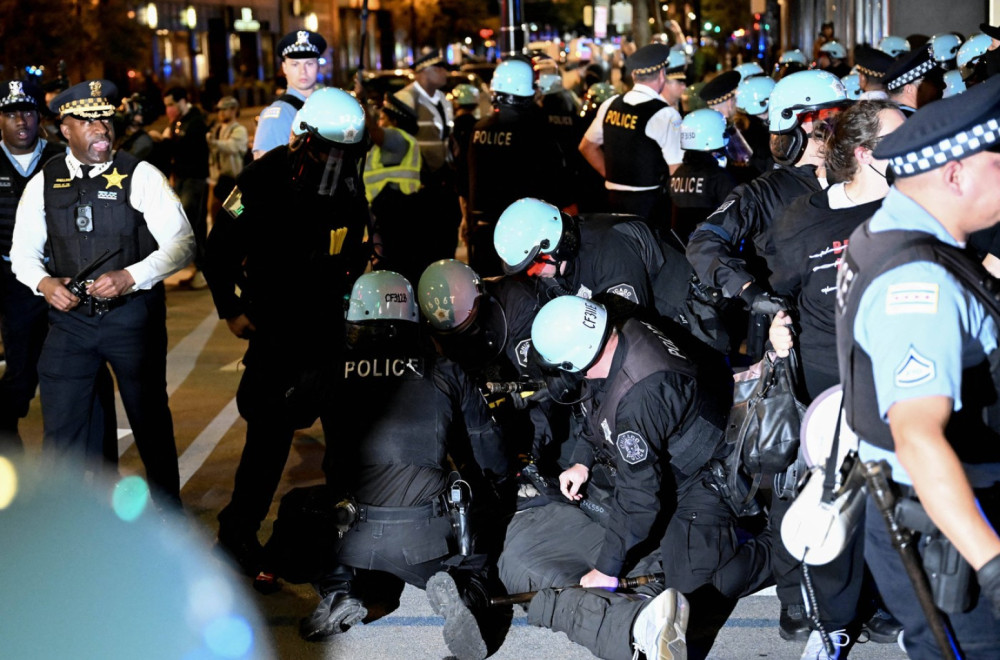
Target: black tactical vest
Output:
[(403, 386), (632, 158), (649, 352), (12, 187), (115, 223), (972, 431)]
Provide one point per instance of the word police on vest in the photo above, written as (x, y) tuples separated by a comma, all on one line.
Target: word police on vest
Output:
[(502, 139), (688, 184), (382, 367), (622, 119)]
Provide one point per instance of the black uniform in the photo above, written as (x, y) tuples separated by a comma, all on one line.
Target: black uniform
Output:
[(728, 248), (23, 315), (561, 112), (652, 427), (189, 168), (513, 154), (697, 188), (293, 278), (757, 135), (459, 142)]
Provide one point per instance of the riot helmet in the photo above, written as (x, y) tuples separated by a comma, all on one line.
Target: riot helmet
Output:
[(448, 293), (749, 69), (973, 49), (465, 95), (894, 45), (382, 295), (834, 49), (794, 56), (811, 94), (944, 47), (532, 230), (569, 333), (852, 83), (513, 82), (703, 130), (597, 94), (953, 83), (329, 143), (753, 94)]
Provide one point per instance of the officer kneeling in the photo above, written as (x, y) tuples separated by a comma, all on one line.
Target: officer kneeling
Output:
[(653, 431), (399, 512)]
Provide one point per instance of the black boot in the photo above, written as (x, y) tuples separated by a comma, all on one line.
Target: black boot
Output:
[(461, 629), (793, 624), (335, 614), (242, 546)]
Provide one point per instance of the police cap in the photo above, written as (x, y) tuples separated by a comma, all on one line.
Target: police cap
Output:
[(91, 99), (872, 62), (950, 129), (429, 59), (909, 67), (720, 88), (404, 116), (990, 30), (648, 59), (20, 95), (301, 44)]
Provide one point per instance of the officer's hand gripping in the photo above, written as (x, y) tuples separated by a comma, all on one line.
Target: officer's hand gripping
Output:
[(571, 479), (989, 583)]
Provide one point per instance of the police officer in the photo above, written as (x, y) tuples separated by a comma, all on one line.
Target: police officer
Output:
[(23, 316), (465, 99), (752, 97), (513, 154), (634, 141), (292, 278), (904, 77), (917, 339), (832, 57), (561, 111), (653, 425), (440, 209), (701, 183), (394, 466), (300, 52), (797, 103), (91, 204), (871, 65), (591, 195), (791, 61)]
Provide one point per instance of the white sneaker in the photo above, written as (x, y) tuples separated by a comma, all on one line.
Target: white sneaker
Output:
[(198, 281), (816, 650), (659, 630)]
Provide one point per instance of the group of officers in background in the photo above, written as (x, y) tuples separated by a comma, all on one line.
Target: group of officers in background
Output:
[(550, 419)]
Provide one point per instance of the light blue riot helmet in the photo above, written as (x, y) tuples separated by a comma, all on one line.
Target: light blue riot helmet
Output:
[(749, 69), (852, 83), (569, 333), (549, 83), (382, 295), (794, 56), (753, 94), (793, 96), (449, 293), (894, 45), (834, 49), (802, 92), (953, 83), (973, 49), (333, 115), (703, 130), (530, 229), (329, 143), (513, 81), (944, 47)]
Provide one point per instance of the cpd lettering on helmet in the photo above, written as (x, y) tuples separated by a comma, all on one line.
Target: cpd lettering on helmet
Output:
[(381, 368), (395, 297), (688, 184), (485, 137), (590, 316), (622, 119)]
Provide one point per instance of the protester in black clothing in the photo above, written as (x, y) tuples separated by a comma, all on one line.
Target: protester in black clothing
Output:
[(812, 235), (291, 277)]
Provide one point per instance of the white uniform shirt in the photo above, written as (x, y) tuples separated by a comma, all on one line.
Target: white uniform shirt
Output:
[(150, 194), (664, 128)]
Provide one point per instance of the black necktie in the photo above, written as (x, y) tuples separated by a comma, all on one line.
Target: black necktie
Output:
[(85, 171), (445, 129)]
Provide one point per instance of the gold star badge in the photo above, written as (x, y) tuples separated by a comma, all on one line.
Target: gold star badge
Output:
[(114, 179)]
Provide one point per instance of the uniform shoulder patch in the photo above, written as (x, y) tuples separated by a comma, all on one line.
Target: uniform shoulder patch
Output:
[(523, 349), (632, 447), (722, 209), (626, 291), (270, 113), (912, 298), (585, 293), (915, 369)]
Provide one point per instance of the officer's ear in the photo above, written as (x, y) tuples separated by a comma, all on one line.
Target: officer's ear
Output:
[(64, 129)]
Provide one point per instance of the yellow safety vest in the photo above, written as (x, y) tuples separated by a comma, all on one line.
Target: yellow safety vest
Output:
[(406, 174)]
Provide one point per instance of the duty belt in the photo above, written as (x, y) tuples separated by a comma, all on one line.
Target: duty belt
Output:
[(370, 513)]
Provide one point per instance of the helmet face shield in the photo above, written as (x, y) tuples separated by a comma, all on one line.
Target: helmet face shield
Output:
[(323, 168)]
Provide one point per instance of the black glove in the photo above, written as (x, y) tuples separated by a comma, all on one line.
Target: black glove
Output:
[(748, 294), (759, 301), (989, 583), (520, 401)]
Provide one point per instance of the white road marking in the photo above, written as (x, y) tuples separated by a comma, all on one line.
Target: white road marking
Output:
[(196, 454)]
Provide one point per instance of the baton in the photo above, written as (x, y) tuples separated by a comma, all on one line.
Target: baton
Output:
[(526, 596), (877, 475), (510, 387)]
